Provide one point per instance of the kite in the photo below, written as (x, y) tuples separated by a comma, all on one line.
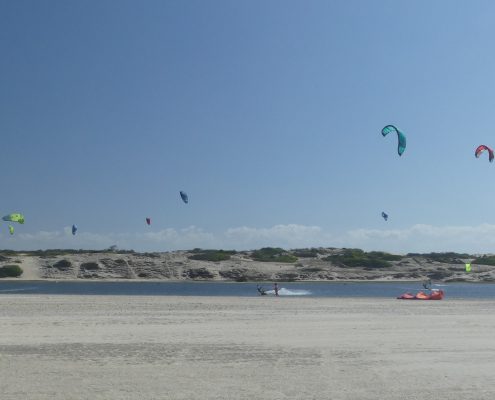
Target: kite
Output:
[(74, 229), (11, 229), (402, 138), (148, 221), (184, 197), (15, 217), (481, 148), (468, 267), (384, 216)]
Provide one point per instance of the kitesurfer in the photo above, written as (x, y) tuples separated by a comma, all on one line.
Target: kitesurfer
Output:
[(261, 290), (275, 288)]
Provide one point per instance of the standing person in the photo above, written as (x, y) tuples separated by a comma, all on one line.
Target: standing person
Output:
[(275, 287)]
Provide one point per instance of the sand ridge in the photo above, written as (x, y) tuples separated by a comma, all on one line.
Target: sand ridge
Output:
[(178, 266)]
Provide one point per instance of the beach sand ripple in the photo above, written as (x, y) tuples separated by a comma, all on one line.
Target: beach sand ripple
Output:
[(119, 347)]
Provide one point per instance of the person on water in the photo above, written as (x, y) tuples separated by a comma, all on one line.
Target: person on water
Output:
[(275, 288), (261, 290)]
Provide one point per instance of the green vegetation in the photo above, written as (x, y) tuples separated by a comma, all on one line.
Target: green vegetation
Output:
[(4, 254), (484, 260), (199, 273), (447, 257), (63, 265), (384, 256), (10, 271), (211, 255), (305, 253), (273, 254), (90, 266), (359, 258), (64, 252)]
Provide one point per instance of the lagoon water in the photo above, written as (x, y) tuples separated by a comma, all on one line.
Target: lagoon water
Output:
[(287, 289)]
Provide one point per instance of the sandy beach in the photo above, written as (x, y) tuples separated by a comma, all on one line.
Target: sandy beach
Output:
[(99, 347)]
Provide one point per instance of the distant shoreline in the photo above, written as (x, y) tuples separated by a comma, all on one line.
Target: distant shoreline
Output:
[(268, 282), (264, 265)]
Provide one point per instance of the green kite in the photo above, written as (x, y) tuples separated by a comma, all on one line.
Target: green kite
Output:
[(15, 217)]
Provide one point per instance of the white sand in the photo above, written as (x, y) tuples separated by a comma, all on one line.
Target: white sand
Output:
[(97, 347)]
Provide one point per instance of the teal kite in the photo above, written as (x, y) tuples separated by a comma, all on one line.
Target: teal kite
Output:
[(402, 138)]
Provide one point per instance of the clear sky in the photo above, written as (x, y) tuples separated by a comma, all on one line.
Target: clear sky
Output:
[(267, 113)]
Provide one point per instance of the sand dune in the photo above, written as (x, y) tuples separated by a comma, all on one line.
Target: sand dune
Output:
[(178, 266)]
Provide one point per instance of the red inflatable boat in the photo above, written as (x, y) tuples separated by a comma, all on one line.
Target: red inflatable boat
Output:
[(433, 295)]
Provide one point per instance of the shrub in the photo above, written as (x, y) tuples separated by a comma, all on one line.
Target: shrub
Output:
[(199, 273), (211, 255), (484, 260), (8, 252), (62, 265), (10, 271), (447, 257), (305, 253), (384, 256), (64, 252), (90, 266), (273, 254), (359, 258)]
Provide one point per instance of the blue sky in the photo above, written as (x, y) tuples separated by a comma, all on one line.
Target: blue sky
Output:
[(267, 113)]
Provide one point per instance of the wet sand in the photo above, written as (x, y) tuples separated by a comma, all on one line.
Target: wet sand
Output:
[(109, 347)]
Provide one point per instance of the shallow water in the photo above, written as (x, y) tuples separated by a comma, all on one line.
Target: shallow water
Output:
[(287, 289)]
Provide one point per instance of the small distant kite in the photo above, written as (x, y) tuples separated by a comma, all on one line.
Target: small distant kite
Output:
[(402, 138), (468, 267), (385, 216), (11, 229), (184, 197), (74, 229), (15, 217), (148, 221), (481, 148)]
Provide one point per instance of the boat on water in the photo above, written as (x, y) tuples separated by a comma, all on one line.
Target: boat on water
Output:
[(433, 294)]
